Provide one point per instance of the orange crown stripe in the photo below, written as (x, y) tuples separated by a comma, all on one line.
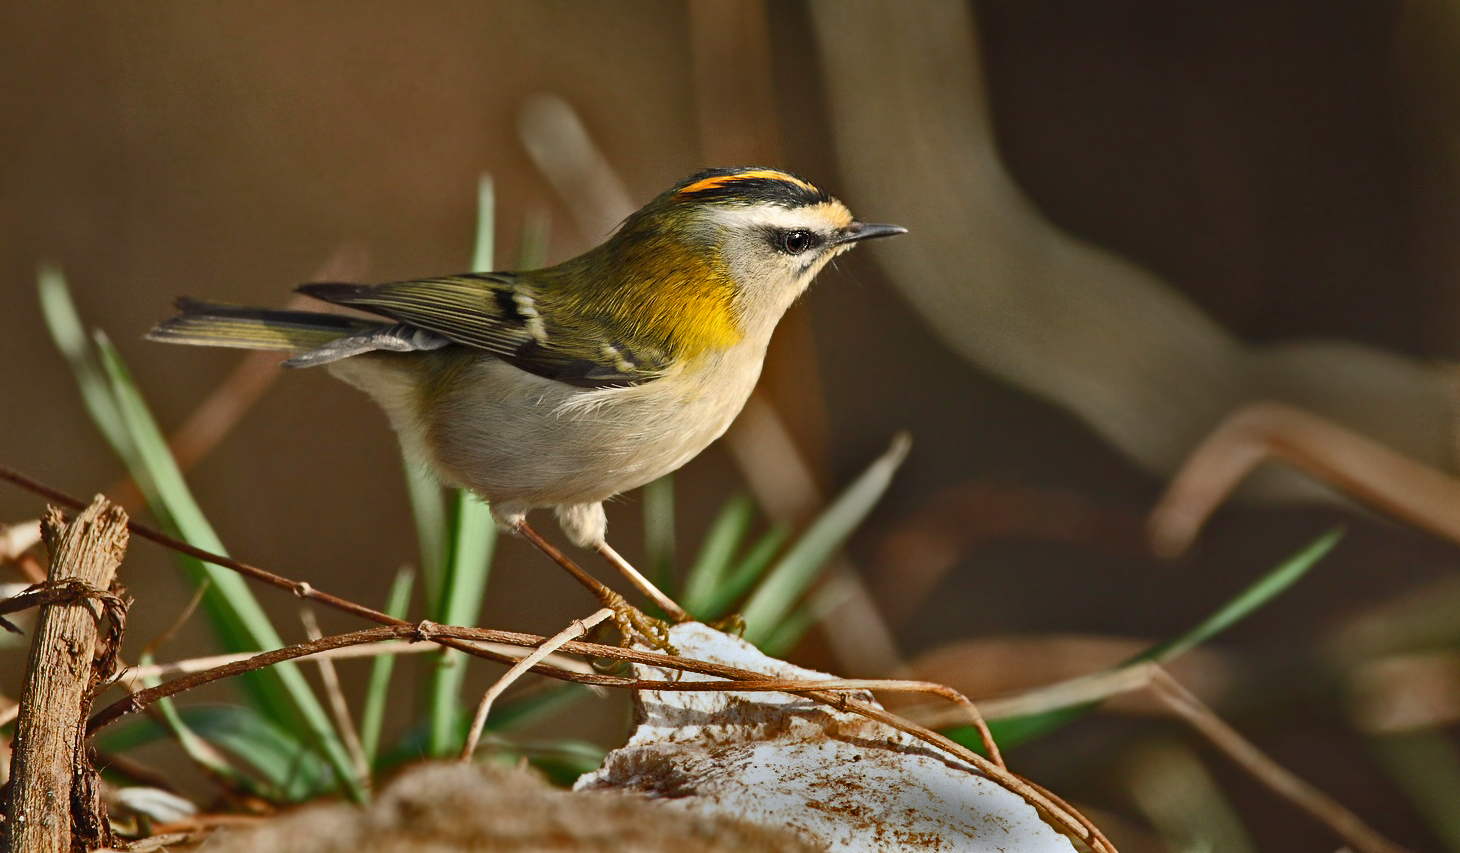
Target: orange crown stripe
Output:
[(766, 174)]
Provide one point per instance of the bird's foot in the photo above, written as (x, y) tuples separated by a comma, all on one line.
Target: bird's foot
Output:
[(635, 626), (734, 624)]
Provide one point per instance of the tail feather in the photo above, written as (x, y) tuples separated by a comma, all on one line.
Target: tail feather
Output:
[(218, 325)]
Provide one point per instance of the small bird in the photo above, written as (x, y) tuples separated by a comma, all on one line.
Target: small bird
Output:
[(564, 386)]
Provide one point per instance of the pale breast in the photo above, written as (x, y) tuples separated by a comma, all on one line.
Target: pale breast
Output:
[(525, 440)]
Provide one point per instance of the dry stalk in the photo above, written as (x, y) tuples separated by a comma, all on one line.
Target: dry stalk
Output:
[(1344, 823), (52, 779), (339, 708), (519, 669)]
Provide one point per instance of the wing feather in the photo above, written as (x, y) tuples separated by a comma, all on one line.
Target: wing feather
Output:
[(502, 314)]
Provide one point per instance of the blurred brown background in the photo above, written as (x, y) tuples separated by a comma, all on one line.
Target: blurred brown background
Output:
[(1288, 166)]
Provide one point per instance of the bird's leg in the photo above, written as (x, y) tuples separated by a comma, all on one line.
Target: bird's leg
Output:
[(674, 611), (632, 622)]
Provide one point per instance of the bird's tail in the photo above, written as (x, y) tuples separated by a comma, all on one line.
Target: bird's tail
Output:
[(217, 325)]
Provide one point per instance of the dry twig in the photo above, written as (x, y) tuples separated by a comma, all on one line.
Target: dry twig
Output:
[(519, 669)]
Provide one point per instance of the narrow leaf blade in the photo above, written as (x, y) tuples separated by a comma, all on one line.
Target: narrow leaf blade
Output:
[(796, 570)]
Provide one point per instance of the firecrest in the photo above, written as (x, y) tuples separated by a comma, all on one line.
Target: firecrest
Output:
[(561, 387)]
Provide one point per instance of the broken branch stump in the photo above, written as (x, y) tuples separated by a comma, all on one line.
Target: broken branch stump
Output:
[(47, 757)]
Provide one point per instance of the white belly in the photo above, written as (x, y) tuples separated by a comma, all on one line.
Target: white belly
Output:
[(522, 441)]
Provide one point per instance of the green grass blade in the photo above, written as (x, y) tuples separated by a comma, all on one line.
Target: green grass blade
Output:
[(169, 723), (471, 536), (826, 598), (1016, 730), (561, 761), (658, 498), (512, 713), (797, 569), (483, 255), (71, 339), (123, 417), (242, 624), (296, 772), (1177, 795), (713, 562), (745, 574), (428, 508), (1268, 587), (377, 689), (116, 406), (536, 707), (791, 629), (289, 771), (133, 732)]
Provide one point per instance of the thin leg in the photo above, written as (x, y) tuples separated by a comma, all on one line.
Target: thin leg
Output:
[(630, 620), (675, 612)]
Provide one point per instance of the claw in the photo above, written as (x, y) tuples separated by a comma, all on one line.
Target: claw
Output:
[(637, 627), (734, 625)]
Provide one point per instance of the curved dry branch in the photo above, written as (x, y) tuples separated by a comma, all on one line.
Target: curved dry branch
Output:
[(1356, 466)]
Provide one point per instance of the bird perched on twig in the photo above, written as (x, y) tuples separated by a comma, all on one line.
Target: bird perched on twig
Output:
[(564, 386)]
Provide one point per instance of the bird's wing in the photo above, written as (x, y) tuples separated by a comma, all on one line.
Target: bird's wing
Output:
[(500, 314)]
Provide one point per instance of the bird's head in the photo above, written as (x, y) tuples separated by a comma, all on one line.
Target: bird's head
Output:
[(721, 255)]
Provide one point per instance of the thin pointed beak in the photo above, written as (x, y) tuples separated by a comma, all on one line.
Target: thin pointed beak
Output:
[(858, 231)]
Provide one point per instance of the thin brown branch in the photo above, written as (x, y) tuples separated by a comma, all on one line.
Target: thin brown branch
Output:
[(1344, 823), (30, 568), (1066, 816), (297, 588), (161, 842), (187, 666), (144, 698), (182, 619)]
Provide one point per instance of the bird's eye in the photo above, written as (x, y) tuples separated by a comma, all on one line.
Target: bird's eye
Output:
[(796, 242)]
